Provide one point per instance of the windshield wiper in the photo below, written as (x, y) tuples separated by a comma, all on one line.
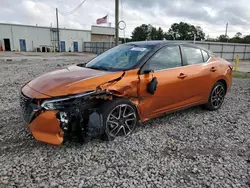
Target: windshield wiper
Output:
[(81, 64), (99, 68), (105, 68)]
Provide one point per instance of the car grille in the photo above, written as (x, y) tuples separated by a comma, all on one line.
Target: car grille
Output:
[(26, 107)]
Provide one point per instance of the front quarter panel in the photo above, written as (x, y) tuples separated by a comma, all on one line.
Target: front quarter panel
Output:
[(126, 87)]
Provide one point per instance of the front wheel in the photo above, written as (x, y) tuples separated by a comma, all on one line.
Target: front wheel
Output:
[(216, 97), (119, 118)]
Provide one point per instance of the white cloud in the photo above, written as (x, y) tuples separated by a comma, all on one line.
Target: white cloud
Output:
[(211, 15)]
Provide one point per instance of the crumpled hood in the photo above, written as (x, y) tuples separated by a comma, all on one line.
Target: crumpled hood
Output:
[(71, 80)]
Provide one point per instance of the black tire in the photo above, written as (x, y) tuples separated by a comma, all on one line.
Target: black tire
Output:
[(216, 97), (111, 107)]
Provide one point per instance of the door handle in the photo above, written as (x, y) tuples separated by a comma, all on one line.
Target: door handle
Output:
[(213, 69), (182, 76)]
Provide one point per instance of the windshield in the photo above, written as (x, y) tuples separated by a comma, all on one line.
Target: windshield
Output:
[(122, 57)]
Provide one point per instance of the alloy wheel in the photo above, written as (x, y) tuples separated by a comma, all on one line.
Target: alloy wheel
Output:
[(121, 120), (218, 95)]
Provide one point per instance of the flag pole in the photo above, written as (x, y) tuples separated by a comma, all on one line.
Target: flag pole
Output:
[(108, 19)]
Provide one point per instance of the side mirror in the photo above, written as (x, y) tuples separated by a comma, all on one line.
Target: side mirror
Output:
[(152, 86)]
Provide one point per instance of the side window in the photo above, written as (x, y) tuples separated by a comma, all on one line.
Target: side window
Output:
[(168, 57), (193, 55), (205, 55)]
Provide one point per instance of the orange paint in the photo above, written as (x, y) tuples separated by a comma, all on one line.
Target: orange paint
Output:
[(45, 128), (178, 88)]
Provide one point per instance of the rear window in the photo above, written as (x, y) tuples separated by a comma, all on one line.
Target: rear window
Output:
[(205, 55), (193, 55)]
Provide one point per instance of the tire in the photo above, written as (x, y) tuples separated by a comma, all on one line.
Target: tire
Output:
[(216, 97), (119, 118)]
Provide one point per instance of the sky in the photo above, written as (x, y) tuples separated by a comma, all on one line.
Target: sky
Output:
[(211, 15)]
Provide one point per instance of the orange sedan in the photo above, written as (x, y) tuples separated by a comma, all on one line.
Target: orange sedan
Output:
[(127, 84)]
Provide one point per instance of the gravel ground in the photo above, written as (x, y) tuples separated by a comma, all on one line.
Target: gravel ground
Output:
[(190, 148)]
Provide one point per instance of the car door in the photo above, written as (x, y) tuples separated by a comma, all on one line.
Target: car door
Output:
[(199, 74), (166, 65)]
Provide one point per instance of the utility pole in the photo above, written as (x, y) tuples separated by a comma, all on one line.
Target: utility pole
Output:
[(58, 40), (226, 30), (116, 22)]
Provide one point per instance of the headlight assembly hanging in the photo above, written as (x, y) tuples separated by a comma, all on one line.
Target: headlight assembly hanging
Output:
[(62, 103)]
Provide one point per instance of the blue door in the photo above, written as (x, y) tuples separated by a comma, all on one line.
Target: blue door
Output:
[(62, 46), (75, 46), (22, 45)]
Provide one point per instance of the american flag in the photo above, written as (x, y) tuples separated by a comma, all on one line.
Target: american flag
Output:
[(102, 20)]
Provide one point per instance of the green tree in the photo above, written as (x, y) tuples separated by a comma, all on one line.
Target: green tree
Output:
[(153, 33), (141, 33), (222, 38), (238, 35), (169, 36), (159, 34), (246, 39), (147, 32), (184, 31), (200, 35), (237, 38)]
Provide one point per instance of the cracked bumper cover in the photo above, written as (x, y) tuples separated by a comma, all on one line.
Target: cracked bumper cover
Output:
[(46, 128), (43, 124)]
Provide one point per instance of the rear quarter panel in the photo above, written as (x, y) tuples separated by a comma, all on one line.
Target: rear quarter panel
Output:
[(223, 72)]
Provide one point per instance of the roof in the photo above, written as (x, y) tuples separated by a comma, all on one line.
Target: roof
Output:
[(161, 42), (102, 26), (43, 27), (102, 30), (148, 42), (157, 42)]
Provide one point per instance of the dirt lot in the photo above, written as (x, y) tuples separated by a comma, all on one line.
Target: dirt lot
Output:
[(190, 148)]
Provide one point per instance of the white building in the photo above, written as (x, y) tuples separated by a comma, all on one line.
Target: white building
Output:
[(15, 37)]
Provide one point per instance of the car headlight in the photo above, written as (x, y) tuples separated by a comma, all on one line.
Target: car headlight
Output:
[(64, 102)]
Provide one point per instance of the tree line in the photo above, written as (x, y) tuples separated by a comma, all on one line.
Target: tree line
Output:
[(180, 31)]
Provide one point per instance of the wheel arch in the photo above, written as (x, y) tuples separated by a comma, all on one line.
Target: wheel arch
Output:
[(209, 105), (134, 102), (224, 82)]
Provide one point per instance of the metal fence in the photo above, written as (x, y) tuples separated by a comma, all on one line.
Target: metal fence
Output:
[(227, 51), (97, 47)]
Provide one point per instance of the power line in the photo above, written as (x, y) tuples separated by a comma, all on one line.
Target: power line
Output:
[(73, 10), (66, 13)]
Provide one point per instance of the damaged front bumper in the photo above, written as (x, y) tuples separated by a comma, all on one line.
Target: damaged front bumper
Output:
[(46, 128), (43, 124), (80, 119), (81, 125)]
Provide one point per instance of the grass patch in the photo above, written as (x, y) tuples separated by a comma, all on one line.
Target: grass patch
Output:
[(241, 75)]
